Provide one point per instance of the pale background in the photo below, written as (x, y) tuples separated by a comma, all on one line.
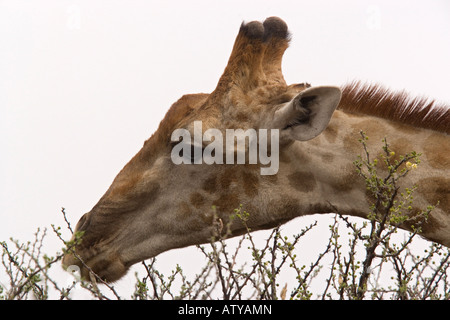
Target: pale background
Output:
[(84, 83)]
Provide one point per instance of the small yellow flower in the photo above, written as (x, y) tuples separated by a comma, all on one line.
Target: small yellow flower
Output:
[(392, 153), (411, 166)]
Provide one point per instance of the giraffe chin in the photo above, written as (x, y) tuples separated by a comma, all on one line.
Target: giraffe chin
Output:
[(108, 268)]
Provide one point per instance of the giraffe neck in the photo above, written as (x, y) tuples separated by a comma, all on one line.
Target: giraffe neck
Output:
[(321, 174)]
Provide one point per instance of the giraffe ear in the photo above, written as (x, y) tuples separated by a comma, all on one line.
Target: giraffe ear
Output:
[(308, 114)]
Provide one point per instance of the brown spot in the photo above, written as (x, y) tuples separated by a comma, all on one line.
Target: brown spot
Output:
[(207, 218), (437, 151), (196, 199), (184, 211), (401, 147), (436, 190), (209, 185), (227, 177), (227, 202), (302, 181), (251, 183), (430, 226), (347, 180), (242, 117), (370, 197), (327, 157)]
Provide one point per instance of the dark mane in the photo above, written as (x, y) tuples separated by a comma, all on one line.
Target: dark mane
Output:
[(372, 99)]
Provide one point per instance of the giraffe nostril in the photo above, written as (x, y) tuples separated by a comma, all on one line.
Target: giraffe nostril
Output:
[(83, 223)]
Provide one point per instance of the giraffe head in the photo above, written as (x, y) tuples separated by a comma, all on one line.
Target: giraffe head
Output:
[(155, 204)]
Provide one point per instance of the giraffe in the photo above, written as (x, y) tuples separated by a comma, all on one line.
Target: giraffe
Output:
[(154, 205)]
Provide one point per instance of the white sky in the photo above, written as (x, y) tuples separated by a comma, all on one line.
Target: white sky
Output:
[(84, 83)]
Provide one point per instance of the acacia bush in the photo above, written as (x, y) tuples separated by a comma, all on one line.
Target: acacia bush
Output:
[(362, 259)]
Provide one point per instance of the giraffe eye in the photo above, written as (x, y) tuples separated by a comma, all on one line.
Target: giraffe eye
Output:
[(196, 153)]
